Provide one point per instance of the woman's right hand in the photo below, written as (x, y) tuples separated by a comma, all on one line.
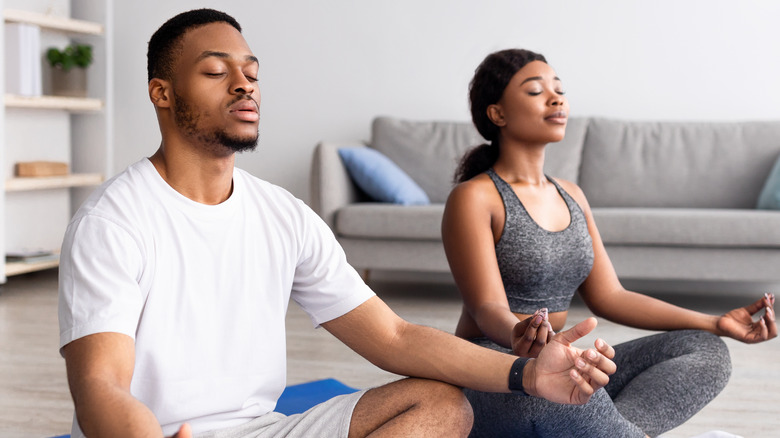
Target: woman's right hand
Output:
[(530, 335)]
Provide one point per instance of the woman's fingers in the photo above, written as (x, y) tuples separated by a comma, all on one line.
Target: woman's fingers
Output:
[(540, 340), (762, 302), (769, 321), (530, 335)]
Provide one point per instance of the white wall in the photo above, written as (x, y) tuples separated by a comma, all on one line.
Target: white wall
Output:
[(329, 67)]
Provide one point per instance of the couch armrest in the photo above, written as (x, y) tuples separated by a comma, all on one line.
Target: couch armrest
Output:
[(329, 183)]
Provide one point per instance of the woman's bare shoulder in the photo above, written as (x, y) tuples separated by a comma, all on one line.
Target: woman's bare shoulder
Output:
[(574, 191), (478, 189)]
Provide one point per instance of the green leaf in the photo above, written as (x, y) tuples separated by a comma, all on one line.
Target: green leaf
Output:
[(73, 55)]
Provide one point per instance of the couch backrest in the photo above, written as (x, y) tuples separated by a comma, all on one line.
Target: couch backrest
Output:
[(430, 151), (677, 164)]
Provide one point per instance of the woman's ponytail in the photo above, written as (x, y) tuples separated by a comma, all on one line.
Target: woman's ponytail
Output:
[(477, 160)]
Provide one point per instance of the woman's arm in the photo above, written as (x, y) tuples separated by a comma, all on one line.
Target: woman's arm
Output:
[(606, 297), (469, 242)]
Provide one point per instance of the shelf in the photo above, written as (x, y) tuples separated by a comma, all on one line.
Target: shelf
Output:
[(54, 102), (77, 131), (18, 268), (53, 182), (53, 22)]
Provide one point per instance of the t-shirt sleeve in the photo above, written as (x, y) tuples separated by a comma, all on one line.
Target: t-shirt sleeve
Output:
[(325, 285), (100, 269)]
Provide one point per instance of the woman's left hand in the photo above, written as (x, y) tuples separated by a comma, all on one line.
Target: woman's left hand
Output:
[(530, 335), (739, 324)]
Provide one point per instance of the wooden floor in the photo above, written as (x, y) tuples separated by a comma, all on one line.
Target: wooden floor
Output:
[(34, 399)]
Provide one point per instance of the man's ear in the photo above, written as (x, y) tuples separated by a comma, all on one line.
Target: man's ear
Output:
[(160, 93), (496, 115)]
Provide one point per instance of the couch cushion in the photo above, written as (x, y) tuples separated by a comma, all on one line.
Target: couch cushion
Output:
[(688, 227), (430, 151), (382, 221), (618, 226), (380, 178), (677, 164)]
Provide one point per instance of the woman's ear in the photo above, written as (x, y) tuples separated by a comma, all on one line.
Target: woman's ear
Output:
[(159, 93), (496, 115)]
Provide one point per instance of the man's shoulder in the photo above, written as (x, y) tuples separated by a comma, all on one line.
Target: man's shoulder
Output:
[(124, 192)]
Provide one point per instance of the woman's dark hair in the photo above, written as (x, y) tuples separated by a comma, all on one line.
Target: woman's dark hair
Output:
[(165, 42), (486, 88)]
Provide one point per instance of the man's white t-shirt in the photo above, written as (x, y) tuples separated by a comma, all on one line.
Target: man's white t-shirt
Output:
[(202, 289)]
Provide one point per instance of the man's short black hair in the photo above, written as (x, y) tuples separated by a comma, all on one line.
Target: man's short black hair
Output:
[(165, 43)]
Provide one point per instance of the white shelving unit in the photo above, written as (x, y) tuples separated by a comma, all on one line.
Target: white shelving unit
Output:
[(74, 104), (34, 211), (53, 182)]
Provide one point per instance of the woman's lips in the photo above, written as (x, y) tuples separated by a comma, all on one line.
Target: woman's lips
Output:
[(558, 117)]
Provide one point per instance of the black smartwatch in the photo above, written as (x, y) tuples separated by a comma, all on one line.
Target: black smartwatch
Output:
[(516, 377)]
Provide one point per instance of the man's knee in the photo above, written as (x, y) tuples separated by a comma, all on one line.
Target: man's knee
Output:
[(448, 403), (413, 407)]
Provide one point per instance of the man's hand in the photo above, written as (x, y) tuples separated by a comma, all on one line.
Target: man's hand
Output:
[(565, 374), (184, 432)]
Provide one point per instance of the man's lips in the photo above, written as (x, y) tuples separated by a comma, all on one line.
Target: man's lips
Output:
[(246, 110)]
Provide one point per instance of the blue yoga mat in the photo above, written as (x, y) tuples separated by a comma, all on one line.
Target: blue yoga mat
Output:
[(299, 398)]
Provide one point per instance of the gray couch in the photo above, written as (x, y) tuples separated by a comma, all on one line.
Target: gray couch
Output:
[(673, 201)]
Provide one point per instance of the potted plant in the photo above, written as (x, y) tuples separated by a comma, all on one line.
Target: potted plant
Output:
[(69, 69)]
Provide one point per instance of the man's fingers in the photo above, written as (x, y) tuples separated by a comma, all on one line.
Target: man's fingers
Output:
[(585, 388), (578, 331), (595, 371), (184, 432), (600, 361), (605, 349)]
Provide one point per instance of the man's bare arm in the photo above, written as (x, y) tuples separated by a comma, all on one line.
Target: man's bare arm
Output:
[(100, 367), (564, 375)]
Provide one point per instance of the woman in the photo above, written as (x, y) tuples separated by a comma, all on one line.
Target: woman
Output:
[(520, 243)]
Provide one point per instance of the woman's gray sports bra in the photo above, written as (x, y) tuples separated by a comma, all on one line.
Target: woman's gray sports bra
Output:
[(541, 268)]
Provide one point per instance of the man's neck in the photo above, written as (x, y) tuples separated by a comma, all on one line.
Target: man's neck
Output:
[(207, 180)]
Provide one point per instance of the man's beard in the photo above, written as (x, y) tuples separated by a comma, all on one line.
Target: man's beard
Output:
[(218, 139)]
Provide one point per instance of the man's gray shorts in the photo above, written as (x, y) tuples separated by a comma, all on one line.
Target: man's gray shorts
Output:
[(327, 419)]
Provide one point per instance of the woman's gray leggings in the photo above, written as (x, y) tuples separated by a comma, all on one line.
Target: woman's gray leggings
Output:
[(661, 381)]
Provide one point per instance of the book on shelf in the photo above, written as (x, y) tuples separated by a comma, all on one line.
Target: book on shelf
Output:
[(35, 256), (23, 59)]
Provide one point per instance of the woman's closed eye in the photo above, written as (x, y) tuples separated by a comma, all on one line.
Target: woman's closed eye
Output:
[(537, 93)]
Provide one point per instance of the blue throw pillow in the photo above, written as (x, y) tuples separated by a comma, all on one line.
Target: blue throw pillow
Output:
[(380, 178), (770, 194)]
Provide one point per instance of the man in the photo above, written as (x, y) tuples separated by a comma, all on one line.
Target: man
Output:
[(176, 275)]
